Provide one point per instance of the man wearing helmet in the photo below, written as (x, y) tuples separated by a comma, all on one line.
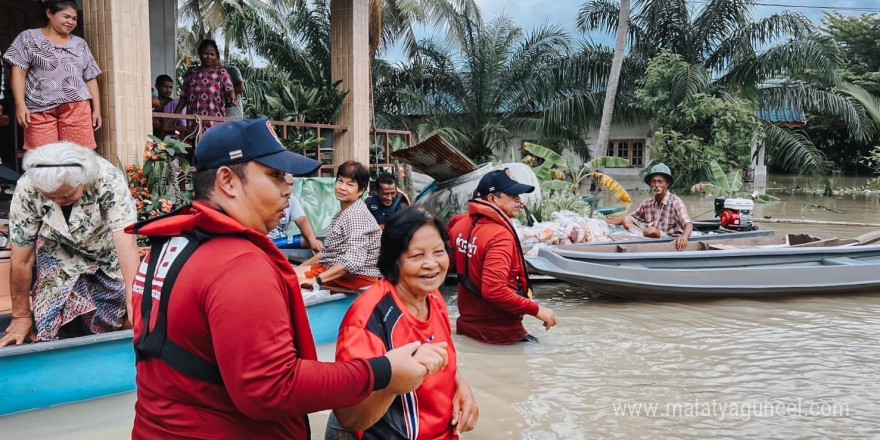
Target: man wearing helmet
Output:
[(664, 214)]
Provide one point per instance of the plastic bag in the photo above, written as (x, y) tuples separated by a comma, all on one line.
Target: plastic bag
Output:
[(318, 198), (566, 227)]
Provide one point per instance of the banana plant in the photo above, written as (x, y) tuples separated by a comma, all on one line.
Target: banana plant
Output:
[(728, 185), (552, 172)]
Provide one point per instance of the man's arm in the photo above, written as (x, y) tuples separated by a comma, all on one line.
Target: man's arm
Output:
[(494, 284), (681, 242), (260, 367), (261, 370)]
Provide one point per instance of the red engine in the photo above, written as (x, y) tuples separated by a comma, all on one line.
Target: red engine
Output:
[(730, 219), (736, 214)]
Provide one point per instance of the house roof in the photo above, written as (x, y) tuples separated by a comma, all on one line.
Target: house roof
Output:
[(437, 158), (784, 116)]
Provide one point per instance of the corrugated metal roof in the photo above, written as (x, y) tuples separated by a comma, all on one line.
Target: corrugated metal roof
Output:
[(436, 158), (782, 115)]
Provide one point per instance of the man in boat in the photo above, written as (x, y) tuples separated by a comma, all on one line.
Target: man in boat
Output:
[(493, 286), (223, 341), (387, 200), (662, 215)]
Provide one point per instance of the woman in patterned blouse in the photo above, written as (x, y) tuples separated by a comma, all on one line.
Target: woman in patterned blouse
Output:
[(66, 219), (351, 249), (207, 87), (54, 78)]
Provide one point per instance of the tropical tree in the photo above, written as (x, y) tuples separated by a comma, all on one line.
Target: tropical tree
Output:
[(859, 37), (614, 75), (482, 85), (567, 171), (206, 18), (742, 57)]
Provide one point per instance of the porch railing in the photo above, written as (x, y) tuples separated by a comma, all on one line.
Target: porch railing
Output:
[(380, 158)]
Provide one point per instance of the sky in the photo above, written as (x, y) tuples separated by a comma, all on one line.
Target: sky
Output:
[(530, 14)]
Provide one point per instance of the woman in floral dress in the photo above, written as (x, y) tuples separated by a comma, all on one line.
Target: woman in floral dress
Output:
[(207, 87), (66, 219)]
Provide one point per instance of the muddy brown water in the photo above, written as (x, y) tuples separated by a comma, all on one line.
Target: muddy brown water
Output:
[(802, 367)]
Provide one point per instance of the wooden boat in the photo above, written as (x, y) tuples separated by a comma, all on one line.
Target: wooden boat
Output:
[(751, 272), (721, 234), (34, 376), (709, 242)]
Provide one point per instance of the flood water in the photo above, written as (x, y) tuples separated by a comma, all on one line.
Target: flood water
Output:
[(803, 367)]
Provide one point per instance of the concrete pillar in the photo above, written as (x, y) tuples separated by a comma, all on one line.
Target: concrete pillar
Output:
[(118, 33), (759, 169), (350, 62)]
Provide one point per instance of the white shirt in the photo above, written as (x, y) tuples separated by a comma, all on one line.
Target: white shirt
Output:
[(291, 215)]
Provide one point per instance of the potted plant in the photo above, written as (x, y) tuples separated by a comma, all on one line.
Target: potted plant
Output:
[(164, 182)]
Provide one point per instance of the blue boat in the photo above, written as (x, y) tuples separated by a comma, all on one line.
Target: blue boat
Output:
[(34, 376)]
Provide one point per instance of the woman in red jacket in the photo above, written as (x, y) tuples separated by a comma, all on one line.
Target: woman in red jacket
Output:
[(406, 306)]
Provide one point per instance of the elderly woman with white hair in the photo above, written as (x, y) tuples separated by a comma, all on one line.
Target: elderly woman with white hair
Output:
[(67, 218)]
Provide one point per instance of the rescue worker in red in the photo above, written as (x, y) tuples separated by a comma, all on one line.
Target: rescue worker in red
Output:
[(223, 342), (493, 287)]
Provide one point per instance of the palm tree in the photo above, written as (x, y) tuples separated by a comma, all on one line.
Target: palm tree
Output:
[(743, 56), (614, 75), (483, 84), (208, 17)]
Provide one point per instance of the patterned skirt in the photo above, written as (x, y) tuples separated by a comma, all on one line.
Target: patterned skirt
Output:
[(58, 298)]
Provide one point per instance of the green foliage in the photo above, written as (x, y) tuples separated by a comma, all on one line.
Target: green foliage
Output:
[(292, 37), (728, 185), (560, 201), (566, 172), (165, 174), (683, 101), (859, 37), (377, 151), (285, 100), (684, 155), (551, 161), (739, 57), (481, 86), (302, 141)]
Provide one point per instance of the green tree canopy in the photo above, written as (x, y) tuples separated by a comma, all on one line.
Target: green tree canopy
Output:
[(859, 36), (741, 57)]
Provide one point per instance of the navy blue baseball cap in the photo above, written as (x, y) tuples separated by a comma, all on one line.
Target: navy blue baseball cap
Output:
[(502, 180), (245, 140)]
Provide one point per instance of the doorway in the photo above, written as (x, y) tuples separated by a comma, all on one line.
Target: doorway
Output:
[(15, 17)]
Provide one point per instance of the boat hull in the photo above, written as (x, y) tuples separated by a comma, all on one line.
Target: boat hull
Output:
[(35, 376), (756, 273)]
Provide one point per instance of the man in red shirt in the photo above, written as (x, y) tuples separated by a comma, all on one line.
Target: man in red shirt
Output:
[(223, 341), (493, 286)]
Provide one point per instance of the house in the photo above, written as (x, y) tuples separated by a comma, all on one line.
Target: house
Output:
[(133, 41), (627, 141)]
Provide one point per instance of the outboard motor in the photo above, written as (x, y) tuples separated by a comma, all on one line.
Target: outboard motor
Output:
[(735, 214)]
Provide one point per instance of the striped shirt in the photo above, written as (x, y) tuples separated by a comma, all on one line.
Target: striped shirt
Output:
[(56, 73), (353, 241), (669, 215)]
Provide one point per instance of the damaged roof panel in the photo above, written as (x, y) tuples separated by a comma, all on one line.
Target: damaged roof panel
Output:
[(436, 158)]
